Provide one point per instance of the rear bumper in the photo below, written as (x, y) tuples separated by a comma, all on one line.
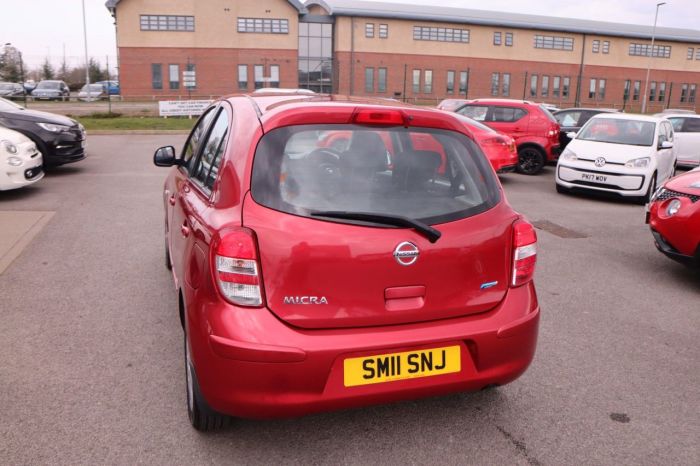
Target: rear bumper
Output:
[(279, 371)]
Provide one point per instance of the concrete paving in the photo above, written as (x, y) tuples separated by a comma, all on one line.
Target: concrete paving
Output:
[(91, 366)]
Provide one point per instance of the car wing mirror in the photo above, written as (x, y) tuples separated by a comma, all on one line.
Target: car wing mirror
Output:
[(571, 134), (165, 157), (665, 145)]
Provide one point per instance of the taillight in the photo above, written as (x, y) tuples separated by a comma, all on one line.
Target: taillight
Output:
[(496, 140), (368, 116), (236, 267), (524, 252)]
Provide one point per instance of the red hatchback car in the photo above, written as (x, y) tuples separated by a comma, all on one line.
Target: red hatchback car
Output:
[(535, 130), (312, 279), (674, 218)]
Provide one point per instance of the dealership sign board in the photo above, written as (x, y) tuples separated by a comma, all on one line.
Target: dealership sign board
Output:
[(182, 107)]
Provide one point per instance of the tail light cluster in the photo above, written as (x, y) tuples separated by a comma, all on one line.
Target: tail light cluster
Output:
[(524, 253), (553, 132), (237, 268)]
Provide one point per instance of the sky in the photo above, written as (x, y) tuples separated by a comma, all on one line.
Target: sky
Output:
[(45, 28)]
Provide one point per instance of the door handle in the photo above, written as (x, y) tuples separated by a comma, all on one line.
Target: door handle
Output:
[(171, 199), (185, 230)]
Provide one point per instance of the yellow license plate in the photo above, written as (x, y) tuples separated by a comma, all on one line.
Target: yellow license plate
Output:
[(400, 366)]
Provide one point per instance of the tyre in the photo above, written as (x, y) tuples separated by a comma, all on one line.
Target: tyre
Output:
[(201, 416), (531, 160), (168, 263), (650, 192)]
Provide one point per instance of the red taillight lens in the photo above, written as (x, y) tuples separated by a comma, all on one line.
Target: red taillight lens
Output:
[(524, 253), (378, 117), (496, 140), (236, 267)]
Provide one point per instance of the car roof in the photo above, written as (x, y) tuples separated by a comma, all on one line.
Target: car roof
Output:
[(590, 109), (628, 116), (679, 115), (267, 102), (503, 101)]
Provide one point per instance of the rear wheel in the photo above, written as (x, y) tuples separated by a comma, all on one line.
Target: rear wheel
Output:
[(530, 160), (201, 416)]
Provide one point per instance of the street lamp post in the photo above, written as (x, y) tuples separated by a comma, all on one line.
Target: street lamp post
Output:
[(651, 55), (21, 72), (87, 65)]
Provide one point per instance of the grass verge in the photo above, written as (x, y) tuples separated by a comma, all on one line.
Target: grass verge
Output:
[(126, 123)]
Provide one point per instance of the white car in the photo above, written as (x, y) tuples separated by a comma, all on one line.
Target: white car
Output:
[(20, 161), (628, 155), (687, 138)]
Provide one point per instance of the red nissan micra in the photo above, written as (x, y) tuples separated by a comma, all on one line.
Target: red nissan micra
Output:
[(314, 279), (674, 218)]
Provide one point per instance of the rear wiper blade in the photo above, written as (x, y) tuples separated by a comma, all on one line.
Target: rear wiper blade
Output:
[(396, 220)]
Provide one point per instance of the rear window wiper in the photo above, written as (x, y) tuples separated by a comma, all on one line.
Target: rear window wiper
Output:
[(395, 220)]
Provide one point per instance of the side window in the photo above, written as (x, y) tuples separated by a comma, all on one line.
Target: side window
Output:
[(662, 133), (207, 166), (195, 137), (669, 131), (475, 112), (678, 124), (568, 118), (585, 116), (691, 125), (507, 114)]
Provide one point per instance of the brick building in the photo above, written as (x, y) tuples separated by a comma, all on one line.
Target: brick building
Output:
[(410, 52)]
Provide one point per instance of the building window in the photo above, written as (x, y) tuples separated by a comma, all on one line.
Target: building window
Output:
[(697, 53), (174, 76), (157, 76), (258, 74), (691, 52), (591, 89), (545, 86), (662, 92), (556, 83), (606, 46), (463, 82), (243, 77), (652, 91), (596, 46), (167, 23), (601, 89), (509, 39), (369, 30), (495, 84), (383, 31), (637, 87), (554, 42), (643, 50), (450, 82), (416, 81), (381, 79), (428, 81), (506, 84), (440, 34), (263, 25), (533, 85), (684, 93), (496, 38), (691, 95), (274, 76), (566, 86), (626, 92), (369, 79), (189, 85)]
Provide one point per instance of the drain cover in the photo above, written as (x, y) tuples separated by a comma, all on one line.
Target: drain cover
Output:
[(557, 230)]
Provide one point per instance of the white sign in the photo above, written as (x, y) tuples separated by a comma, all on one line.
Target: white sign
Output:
[(189, 78), (182, 107), (188, 74)]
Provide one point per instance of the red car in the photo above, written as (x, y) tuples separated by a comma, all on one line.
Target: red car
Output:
[(674, 218), (535, 130), (498, 147), (312, 279)]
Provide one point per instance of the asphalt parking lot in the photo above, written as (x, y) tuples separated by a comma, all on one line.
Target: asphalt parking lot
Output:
[(91, 366)]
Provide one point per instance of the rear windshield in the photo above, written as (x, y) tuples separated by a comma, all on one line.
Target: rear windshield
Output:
[(616, 131), (429, 175), (548, 114)]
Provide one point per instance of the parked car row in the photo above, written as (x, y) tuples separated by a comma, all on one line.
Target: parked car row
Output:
[(58, 90), (32, 141)]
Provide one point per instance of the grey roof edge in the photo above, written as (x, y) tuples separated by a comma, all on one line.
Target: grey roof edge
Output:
[(494, 18), (112, 5)]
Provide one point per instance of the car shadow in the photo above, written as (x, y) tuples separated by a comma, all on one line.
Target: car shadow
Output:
[(63, 170), (20, 194)]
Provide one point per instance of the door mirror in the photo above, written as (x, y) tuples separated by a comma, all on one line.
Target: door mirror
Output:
[(165, 157), (571, 134), (665, 145)]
